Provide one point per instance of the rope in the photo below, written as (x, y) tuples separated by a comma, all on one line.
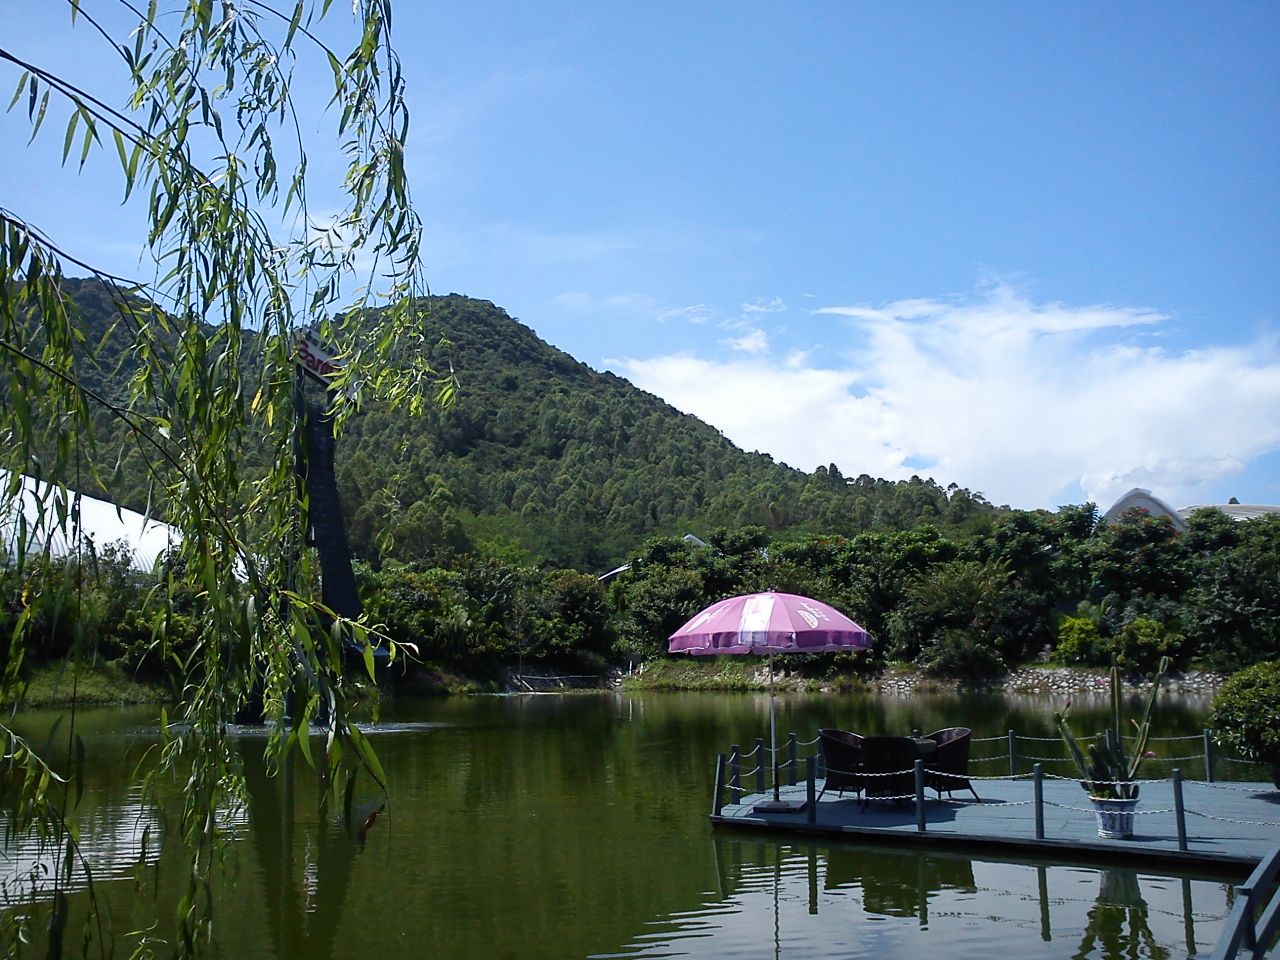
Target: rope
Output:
[(1255, 763), (1091, 811), (1250, 823), (1107, 783), (1027, 756), (1016, 776), (1223, 786), (1000, 756)]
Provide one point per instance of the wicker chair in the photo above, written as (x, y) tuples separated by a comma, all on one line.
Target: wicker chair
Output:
[(947, 770), (894, 756), (842, 760)]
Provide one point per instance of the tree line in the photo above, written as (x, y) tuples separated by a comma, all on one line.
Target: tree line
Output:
[(1038, 587)]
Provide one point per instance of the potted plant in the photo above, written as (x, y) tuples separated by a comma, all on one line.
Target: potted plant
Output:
[(1246, 715), (1107, 770)]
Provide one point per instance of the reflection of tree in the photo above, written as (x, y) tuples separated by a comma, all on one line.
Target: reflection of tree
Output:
[(304, 905), (1119, 906)]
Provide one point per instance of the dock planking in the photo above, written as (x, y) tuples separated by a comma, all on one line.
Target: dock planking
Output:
[(1228, 825)]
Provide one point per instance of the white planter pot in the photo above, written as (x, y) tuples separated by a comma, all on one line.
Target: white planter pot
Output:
[(1115, 817)]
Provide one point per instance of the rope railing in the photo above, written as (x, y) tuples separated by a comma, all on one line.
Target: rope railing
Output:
[(790, 754), (731, 774)]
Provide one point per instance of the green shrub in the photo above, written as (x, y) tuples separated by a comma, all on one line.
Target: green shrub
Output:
[(1141, 643), (961, 655), (1079, 642), (1246, 713)]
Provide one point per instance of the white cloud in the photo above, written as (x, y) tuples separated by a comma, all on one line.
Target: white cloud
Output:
[(1028, 403), (752, 341), (696, 314), (763, 306), (583, 302)]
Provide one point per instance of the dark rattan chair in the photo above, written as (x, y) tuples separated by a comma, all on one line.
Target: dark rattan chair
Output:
[(842, 760), (947, 770), (888, 763)]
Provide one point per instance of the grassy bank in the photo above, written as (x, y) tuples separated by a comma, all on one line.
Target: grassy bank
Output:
[(103, 684), (732, 673), (752, 673)]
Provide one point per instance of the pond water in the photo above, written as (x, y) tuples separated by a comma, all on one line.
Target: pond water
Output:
[(576, 826)]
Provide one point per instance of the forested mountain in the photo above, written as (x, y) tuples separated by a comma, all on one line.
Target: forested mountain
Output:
[(544, 457), (580, 466)]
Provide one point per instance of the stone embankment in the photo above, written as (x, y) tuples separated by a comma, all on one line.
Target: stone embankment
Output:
[(1057, 680)]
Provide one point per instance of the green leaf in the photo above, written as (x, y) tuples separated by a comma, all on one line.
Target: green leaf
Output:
[(78, 769), (22, 84), (71, 133)]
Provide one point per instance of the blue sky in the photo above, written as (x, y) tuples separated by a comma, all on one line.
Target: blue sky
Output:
[(1027, 248)]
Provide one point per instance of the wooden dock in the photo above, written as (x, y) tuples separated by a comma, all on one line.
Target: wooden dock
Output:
[(1227, 826)]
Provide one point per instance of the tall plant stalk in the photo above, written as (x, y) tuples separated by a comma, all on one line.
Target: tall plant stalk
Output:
[(1107, 770)]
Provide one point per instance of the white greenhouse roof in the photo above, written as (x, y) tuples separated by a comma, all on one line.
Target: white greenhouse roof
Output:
[(100, 521)]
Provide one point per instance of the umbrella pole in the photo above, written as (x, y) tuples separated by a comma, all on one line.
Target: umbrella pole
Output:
[(773, 728)]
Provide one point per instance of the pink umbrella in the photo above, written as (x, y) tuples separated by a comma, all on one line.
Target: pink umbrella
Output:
[(769, 623)]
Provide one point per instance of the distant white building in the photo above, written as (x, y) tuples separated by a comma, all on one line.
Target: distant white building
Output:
[(36, 513), (1140, 499)]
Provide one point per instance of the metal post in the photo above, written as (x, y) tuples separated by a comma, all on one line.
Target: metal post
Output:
[(791, 759), (1013, 754), (1249, 942), (735, 772), (1039, 784), (1208, 756), (717, 803), (1179, 810), (919, 771), (810, 790), (760, 762)]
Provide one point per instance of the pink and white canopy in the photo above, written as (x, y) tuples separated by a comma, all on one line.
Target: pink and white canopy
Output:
[(768, 623)]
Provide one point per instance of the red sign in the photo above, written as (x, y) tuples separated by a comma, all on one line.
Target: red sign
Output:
[(316, 360)]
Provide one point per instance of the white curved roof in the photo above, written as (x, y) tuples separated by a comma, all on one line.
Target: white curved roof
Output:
[(1236, 511), (1142, 499), (42, 504)]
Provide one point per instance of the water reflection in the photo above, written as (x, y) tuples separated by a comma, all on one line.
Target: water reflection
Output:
[(552, 827), (113, 841), (304, 886), (837, 900)]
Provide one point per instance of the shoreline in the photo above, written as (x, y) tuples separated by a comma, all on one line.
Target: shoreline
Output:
[(730, 674), (50, 685)]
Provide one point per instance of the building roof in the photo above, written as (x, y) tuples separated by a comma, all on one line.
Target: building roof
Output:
[(101, 522), (1236, 511), (1141, 499)]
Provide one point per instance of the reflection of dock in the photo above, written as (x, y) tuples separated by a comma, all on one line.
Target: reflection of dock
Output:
[(818, 898), (1226, 825), (898, 884)]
